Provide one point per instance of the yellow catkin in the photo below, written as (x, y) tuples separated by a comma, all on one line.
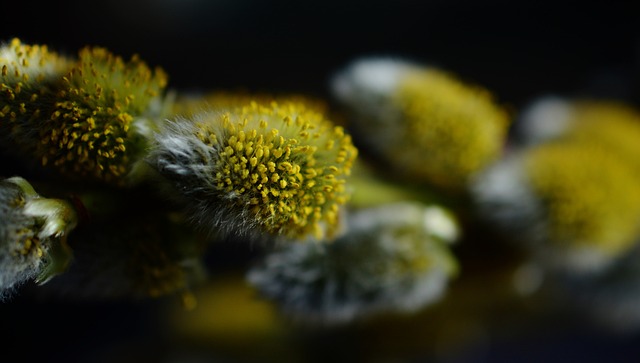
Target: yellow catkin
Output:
[(450, 130), (277, 158), (89, 133), (29, 77), (591, 196), (609, 125)]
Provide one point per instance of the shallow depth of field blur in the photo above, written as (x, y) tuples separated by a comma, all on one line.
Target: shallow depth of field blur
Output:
[(509, 301)]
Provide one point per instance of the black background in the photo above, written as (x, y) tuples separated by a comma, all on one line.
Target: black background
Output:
[(519, 50)]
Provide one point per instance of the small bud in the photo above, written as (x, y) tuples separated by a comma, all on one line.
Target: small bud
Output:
[(33, 232)]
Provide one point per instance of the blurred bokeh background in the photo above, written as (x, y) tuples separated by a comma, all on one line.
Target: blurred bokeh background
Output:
[(519, 51)]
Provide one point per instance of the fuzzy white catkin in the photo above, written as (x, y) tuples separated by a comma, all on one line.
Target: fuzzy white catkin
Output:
[(30, 225), (15, 268), (388, 260)]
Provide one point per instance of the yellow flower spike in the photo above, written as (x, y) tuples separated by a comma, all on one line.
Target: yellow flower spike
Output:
[(591, 197), (577, 205), (29, 76), (285, 187), (101, 99), (422, 122)]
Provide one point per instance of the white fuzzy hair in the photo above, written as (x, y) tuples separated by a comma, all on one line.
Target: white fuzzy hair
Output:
[(189, 166), (15, 269), (546, 118), (369, 77), (334, 283), (367, 88)]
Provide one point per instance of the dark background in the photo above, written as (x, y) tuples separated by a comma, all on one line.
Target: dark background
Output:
[(519, 50)]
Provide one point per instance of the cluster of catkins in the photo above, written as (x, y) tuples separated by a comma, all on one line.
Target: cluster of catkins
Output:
[(125, 184)]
